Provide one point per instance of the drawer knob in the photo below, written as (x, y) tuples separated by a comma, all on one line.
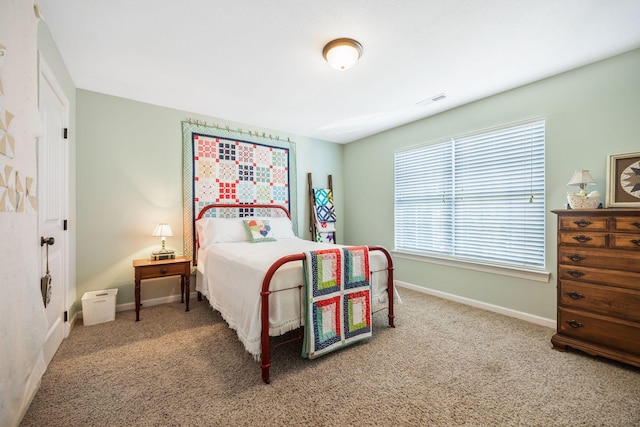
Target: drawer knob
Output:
[(575, 257), (163, 270), (636, 242), (574, 324), (582, 238), (636, 224), (582, 223), (574, 295), (575, 273)]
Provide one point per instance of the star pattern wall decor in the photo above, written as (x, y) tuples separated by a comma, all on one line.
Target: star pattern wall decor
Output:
[(630, 179)]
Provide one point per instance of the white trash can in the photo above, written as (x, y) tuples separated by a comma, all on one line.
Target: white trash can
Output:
[(99, 306)]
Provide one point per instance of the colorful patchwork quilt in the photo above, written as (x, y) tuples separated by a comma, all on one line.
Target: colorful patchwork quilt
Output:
[(325, 215), (337, 294), (233, 171)]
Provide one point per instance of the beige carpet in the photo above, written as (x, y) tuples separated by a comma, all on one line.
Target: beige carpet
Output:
[(444, 364)]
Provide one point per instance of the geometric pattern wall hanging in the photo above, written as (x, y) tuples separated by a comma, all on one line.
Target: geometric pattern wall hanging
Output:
[(225, 166)]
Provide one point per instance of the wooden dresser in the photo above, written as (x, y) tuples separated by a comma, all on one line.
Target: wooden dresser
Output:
[(599, 283)]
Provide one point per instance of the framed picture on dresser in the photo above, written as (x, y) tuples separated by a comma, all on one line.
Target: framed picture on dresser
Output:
[(623, 180)]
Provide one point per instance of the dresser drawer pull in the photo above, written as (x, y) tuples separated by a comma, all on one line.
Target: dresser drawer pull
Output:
[(582, 223), (163, 270), (574, 295), (575, 257), (574, 324), (636, 224), (575, 273), (636, 242), (582, 238)]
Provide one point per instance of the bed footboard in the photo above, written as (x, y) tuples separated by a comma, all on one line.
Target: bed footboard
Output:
[(265, 362)]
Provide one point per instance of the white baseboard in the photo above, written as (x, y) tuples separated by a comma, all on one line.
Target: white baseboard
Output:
[(550, 323), (154, 301), (145, 303)]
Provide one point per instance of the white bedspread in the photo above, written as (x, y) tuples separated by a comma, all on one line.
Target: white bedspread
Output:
[(230, 275)]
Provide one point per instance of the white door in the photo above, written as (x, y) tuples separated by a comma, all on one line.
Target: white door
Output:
[(52, 204)]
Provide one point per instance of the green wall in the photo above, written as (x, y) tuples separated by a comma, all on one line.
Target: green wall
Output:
[(129, 178), (590, 112)]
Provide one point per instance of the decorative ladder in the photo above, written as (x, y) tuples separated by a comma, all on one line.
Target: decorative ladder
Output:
[(322, 216)]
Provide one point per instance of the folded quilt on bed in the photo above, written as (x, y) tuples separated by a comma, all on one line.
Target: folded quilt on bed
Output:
[(337, 291)]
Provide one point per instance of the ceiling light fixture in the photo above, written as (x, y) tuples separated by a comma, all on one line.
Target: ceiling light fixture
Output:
[(342, 54)]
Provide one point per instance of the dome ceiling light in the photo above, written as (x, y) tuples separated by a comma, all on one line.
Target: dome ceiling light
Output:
[(342, 54)]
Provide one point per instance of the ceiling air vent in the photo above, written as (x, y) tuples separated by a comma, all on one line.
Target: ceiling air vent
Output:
[(434, 98)]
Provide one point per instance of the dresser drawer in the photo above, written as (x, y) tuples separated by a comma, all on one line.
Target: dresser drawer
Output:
[(624, 279), (627, 223), (616, 302), (595, 240), (604, 331), (584, 223), (602, 258), (625, 241), (156, 271)]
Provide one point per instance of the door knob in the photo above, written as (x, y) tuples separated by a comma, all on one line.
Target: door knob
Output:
[(47, 241)]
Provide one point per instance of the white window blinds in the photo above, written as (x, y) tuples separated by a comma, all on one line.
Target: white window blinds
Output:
[(477, 197)]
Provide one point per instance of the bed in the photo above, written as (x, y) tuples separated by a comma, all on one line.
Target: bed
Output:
[(256, 287)]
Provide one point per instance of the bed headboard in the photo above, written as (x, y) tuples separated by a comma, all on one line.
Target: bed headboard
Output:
[(242, 170)]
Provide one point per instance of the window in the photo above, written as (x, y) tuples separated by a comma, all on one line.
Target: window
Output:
[(475, 198)]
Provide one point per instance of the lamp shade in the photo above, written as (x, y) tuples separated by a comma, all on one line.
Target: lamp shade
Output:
[(581, 178), (342, 54), (162, 230)]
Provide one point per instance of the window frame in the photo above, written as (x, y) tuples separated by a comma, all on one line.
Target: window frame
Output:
[(534, 270)]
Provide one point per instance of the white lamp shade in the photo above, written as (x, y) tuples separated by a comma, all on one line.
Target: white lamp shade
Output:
[(581, 177), (342, 54), (162, 230)]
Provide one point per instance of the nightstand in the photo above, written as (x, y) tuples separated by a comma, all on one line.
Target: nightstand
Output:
[(147, 269)]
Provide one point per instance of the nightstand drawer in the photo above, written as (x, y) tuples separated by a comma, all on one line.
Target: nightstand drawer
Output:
[(157, 271)]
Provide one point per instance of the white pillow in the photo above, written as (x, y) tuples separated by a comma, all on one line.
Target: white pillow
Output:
[(227, 230), (220, 230), (281, 226)]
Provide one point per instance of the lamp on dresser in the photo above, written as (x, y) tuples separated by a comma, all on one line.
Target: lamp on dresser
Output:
[(580, 199)]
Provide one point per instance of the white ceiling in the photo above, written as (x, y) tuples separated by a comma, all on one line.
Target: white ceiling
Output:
[(259, 62)]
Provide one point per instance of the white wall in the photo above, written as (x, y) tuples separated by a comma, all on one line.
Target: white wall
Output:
[(23, 323)]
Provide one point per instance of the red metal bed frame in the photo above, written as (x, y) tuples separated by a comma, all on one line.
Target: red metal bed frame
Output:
[(265, 356)]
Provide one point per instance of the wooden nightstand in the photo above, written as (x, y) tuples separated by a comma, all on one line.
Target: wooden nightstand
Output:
[(147, 269)]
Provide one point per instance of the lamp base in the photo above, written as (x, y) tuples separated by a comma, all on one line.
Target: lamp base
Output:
[(157, 256)]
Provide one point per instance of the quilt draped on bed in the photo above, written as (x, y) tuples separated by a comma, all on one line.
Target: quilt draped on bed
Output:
[(337, 290)]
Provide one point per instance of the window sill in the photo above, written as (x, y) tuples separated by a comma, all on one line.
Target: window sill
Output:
[(522, 273)]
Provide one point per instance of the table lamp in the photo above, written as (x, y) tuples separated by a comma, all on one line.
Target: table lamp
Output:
[(582, 200), (163, 231)]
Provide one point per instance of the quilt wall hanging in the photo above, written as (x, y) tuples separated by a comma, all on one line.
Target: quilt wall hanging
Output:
[(337, 292), (221, 165)]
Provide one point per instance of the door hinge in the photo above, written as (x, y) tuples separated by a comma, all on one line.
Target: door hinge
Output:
[(64, 225), (65, 133), (66, 316)]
